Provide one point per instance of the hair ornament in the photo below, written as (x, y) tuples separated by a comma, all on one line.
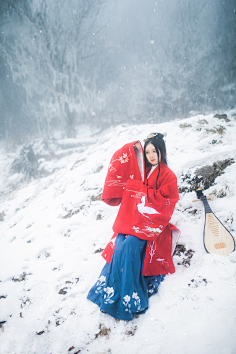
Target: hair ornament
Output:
[(151, 135), (156, 135)]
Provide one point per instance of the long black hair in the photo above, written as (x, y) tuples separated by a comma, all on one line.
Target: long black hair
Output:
[(156, 139)]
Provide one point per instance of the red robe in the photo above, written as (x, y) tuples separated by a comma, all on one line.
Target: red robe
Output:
[(145, 211)]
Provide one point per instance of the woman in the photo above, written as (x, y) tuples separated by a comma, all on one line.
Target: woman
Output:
[(139, 254)]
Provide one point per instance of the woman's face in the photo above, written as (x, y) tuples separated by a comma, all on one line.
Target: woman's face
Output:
[(151, 154)]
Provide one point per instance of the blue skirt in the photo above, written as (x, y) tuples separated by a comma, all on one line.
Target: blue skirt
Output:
[(121, 290)]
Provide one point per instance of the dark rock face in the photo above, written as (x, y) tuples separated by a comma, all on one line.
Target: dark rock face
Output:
[(20, 278), (222, 116), (184, 255), (205, 176), (63, 291), (104, 332), (99, 250), (95, 198)]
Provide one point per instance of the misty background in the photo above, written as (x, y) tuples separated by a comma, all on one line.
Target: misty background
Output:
[(64, 64)]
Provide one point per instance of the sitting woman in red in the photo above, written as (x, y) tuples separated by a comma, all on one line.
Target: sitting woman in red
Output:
[(139, 254)]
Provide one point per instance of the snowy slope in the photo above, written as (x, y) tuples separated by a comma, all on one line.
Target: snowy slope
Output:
[(54, 225)]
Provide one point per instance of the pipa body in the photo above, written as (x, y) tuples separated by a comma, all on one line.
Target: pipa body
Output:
[(217, 239)]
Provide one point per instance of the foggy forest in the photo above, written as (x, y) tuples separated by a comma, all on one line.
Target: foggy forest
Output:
[(64, 64)]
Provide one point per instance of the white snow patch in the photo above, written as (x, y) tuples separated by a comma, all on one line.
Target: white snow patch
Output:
[(53, 254)]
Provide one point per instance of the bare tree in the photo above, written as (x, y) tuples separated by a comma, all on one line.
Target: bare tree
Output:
[(52, 55)]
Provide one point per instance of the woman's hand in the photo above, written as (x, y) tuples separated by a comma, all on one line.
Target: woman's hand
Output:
[(137, 146)]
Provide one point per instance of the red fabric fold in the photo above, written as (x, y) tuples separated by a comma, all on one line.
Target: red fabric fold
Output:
[(123, 166)]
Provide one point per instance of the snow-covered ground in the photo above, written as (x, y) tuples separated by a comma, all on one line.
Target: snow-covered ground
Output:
[(53, 226)]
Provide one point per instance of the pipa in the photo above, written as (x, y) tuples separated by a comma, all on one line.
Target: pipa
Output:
[(217, 239)]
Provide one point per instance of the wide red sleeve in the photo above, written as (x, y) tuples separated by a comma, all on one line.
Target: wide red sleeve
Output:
[(164, 198), (123, 166)]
